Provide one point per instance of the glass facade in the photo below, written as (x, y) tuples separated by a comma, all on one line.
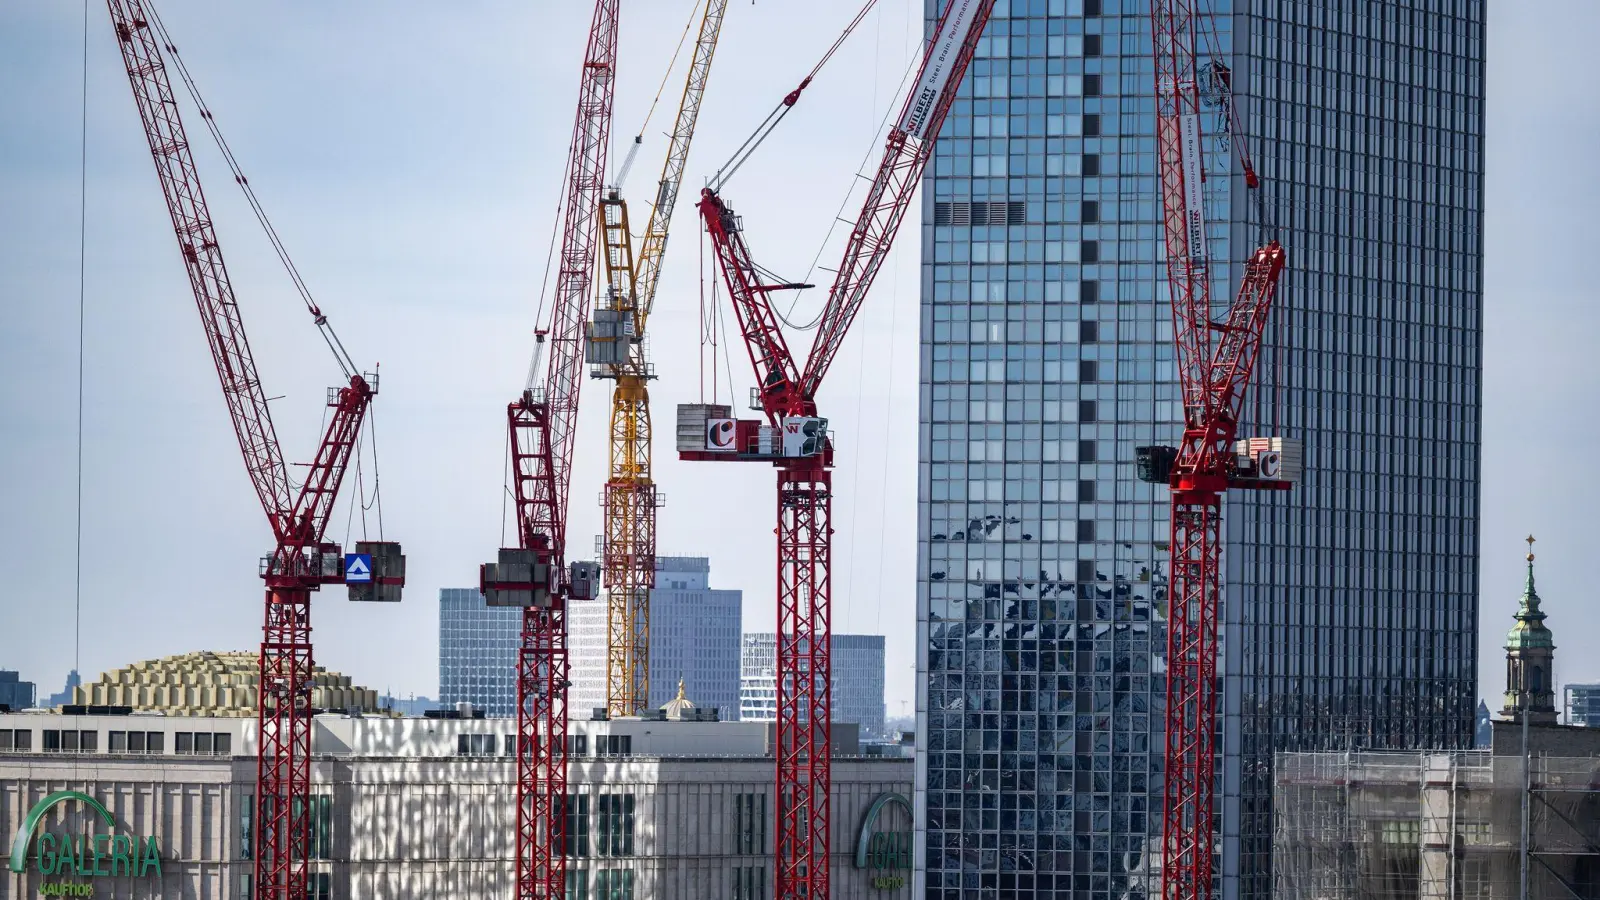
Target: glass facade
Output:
[(1351, 608), (857, 685), (1581, 703), (478, 652), (694, 636)]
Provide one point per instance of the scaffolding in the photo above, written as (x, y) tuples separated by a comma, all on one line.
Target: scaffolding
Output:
[(1434, 826)]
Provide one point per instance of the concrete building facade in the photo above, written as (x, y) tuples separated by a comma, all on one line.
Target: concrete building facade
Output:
[(857, 686), (407, 808), (1351, 607)]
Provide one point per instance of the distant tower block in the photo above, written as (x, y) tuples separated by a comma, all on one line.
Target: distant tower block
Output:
[(1530, 658)]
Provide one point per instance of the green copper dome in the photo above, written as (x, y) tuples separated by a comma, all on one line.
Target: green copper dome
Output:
[(1530, 633)]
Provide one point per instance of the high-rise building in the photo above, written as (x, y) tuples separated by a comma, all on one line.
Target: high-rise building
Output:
[(478, 652), (73, 682), (694, 637), (1582, 704), (1351, 604), (857, 684), (16, 693)]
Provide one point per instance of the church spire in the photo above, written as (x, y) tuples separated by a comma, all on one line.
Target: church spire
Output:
[(1530, 658)]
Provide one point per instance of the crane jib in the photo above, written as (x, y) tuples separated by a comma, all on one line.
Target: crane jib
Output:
[(1194, 219), (940, 62)]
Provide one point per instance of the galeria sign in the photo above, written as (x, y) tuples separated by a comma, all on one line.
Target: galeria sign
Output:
[(85, 855)]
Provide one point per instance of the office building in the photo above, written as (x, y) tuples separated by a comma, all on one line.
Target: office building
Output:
[(694, 638), (73, 681), (14, 692), (1351, 606), (857, 683), (1582, 704), (406, 808), (478, 652)]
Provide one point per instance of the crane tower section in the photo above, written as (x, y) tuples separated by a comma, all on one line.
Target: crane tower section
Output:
[(794, 439), (302, 560), (1215, 360), (616, 350), (534, 575)]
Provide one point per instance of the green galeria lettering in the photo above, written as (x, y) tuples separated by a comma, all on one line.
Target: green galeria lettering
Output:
[(92, 855)]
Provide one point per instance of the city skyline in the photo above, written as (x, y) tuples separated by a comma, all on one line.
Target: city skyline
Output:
[(153, 419)]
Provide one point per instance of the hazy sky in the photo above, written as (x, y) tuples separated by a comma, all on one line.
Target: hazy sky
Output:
[(410, 155)]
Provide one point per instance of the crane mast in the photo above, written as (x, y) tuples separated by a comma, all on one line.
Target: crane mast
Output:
[(795, 441), (1215, 360), (301, 561), (616, 350), (541, 423)]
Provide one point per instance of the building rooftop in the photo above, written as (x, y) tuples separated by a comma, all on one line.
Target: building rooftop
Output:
[(347, 735), (210, 684)]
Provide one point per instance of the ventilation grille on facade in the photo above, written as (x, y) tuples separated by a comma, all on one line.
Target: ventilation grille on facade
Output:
[(980, 212)]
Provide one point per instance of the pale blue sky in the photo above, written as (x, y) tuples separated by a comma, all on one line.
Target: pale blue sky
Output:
[(410, 158)]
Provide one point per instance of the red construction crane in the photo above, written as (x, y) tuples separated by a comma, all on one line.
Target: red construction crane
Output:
[(302, 560), (794, 440), (1214, 362), (542, 424)]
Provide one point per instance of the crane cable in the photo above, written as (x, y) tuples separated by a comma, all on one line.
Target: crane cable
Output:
[(328, 335), (838, 216), (763, 131), (638, 139)]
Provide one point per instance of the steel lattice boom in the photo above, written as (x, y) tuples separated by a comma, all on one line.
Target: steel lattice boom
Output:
[(301, 562), (541, 424), (1214, 361), (628, 551), (795, 442)]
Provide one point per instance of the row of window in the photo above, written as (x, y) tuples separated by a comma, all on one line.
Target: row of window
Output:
[(56, 740), (319, 886), (321, 825), (615, 825), (609, 884), (749, 883), (577, 745), (615, 833)]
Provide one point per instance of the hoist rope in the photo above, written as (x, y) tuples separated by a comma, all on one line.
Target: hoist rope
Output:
[(323, 326), (725, 172), (838, 216), (666, 76), (83, 242)]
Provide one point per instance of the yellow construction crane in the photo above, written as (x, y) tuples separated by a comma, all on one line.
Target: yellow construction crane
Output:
[(617, 350)]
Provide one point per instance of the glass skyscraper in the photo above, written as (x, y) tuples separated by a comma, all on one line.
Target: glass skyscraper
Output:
[(478, 652), (694, 637), (855, 692), (1351, 606)]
